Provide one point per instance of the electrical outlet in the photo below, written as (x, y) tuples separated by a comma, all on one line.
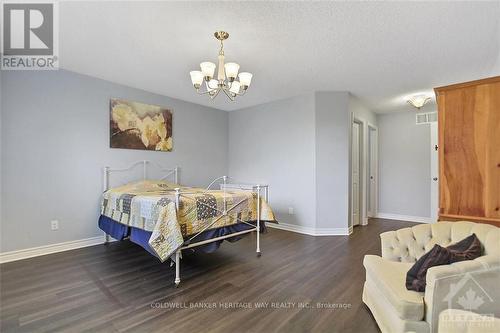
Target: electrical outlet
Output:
[(290, 210), (54, 225)]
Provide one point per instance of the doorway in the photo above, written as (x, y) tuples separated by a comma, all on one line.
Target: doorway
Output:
[(363, 172), (356, 150)]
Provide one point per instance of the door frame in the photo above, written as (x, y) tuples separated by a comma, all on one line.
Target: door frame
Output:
[(373, 213), (363, 149), (366, 126), (361, 172), (434, 214)]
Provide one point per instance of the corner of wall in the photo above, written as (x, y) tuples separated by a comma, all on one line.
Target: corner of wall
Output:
[(314, 164), (332, 159), (1, 158)]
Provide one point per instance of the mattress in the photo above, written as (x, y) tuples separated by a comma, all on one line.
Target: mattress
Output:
[(151, 206)]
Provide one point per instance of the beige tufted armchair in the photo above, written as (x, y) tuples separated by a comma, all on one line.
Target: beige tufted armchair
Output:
[(474, 283)]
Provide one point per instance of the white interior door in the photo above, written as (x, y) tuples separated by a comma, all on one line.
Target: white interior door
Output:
[(372, 172), (355, 174), (434, 172)]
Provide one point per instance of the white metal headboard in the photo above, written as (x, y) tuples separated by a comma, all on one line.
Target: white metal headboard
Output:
[(168, 172)]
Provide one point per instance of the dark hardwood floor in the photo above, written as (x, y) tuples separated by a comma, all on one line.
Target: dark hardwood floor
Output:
[(121, 288)]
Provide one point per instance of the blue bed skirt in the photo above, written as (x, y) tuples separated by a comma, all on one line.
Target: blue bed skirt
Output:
[(141, 237)]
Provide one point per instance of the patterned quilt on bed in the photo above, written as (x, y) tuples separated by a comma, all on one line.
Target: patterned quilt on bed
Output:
[(150, 205)]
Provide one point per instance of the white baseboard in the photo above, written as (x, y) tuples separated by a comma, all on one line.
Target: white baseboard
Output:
[(365, 220), (48, 249), (311, 231), (77, 244), (409, 218)]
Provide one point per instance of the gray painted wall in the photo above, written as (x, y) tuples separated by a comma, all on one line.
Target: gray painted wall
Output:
[(55, 141), (404, 165), (273, 144), (332, 159), (300, 147), (1, 161), (496, 68), (361, 112)]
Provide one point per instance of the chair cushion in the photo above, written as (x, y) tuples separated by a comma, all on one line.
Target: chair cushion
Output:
[(389, 278)]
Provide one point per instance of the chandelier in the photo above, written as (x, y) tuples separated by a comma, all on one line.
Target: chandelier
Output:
[(226, 76)]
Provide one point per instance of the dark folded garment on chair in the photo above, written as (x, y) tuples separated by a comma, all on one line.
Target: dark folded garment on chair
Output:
[(467, 249)]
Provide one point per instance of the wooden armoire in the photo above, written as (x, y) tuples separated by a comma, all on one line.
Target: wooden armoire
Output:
[(469, 151)]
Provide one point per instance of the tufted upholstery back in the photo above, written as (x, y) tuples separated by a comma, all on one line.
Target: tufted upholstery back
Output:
[(409, 244)]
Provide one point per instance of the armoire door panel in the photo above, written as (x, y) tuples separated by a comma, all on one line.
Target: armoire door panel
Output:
[(469, 151), (492, 184), (463, 154)]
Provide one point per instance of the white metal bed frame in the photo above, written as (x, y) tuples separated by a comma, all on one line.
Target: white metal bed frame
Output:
[(179, 192)]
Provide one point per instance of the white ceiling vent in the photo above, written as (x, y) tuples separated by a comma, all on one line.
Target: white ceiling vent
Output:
[(426, 118)]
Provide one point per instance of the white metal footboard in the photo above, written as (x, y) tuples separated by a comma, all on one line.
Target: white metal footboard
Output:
[(182, 193), (223, 213)]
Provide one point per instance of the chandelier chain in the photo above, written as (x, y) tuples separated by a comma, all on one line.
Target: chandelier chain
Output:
[(221, 51)]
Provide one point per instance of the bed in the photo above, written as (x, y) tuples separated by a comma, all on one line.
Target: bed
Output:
[(166, 218)]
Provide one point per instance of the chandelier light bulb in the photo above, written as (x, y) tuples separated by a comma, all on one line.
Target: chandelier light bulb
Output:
[(213, 84), (232, 69), (196, 78), (208, 69), (245, 79), (235, 87)]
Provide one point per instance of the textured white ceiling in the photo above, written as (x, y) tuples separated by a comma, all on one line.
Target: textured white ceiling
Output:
[(379, 51)]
